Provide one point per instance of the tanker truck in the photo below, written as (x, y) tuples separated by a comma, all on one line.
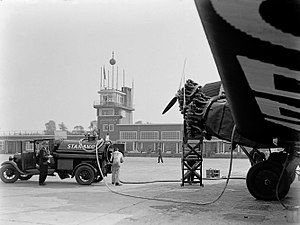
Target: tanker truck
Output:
[(86, 159)]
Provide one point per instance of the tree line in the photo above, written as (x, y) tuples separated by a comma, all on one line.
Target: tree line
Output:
[(78, 129)]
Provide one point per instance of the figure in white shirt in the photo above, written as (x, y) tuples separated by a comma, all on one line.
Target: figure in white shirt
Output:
[(116, 159)]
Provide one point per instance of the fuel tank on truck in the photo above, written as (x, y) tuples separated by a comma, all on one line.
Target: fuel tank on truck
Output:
[(74, 146)]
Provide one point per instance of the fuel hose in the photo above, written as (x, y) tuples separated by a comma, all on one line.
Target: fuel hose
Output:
[(100, 143), (164, 199)]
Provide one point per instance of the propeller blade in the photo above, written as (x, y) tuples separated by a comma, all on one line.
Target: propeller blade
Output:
[(173, 101), (169, 106)]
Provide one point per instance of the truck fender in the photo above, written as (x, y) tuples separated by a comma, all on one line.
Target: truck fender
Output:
[(14, 165), (83, 164)]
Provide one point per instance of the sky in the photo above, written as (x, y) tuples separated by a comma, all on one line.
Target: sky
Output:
[(51, 54)]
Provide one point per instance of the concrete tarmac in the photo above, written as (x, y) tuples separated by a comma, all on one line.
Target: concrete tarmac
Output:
[(68, 203)]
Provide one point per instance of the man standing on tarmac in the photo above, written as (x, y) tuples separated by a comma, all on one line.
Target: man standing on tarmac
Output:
[(116, 159), (43, 157), (159, 156)]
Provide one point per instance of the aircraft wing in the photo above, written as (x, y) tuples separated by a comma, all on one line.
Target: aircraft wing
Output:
[(256, 47)]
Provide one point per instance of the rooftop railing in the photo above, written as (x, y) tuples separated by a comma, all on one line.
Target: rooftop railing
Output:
[(22, 132)]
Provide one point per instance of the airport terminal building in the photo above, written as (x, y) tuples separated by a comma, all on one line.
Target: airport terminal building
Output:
[(114, 111)]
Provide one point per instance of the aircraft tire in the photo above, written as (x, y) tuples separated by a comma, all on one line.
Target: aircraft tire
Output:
[(262, 180), (292, 176)]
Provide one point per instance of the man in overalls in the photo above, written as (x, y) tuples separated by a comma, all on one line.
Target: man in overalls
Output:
[(116, 159)]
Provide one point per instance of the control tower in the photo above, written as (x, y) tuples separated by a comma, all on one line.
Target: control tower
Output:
[(115, 104)]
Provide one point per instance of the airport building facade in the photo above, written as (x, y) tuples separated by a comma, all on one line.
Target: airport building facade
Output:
[(114, 111)]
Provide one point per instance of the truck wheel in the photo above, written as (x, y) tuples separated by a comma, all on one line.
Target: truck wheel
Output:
[(98, 179), (9, 174), (85, 175), (25, 177)]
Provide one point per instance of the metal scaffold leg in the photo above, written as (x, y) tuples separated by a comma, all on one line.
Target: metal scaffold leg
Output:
[(191, 162)]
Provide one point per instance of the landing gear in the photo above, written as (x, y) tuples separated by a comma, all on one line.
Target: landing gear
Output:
[(262, 179)]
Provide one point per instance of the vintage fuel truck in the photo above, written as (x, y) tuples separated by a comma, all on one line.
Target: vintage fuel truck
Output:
[(68, 158)]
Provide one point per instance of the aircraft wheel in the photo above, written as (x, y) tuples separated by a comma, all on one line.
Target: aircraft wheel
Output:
[(9, 174), (85, 175), (292, 176), (262, 180), (25, 177)]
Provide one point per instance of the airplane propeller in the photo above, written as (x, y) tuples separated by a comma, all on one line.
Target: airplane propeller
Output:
[(174, 99), (170, 105), (185, 96), (188, 90)]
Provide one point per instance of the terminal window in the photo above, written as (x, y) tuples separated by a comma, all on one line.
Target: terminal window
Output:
[(29, 146), (111, 127), (170, 135), (152, 135), (128, 135), (1, 145), (107, 98), (108, 127), (107, 112), (105, 127)]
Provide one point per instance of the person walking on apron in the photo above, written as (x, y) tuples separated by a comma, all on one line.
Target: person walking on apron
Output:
[(159, 159)]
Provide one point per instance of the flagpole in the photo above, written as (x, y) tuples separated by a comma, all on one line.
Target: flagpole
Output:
[(123, 78), (112, 76), (112, 62), (104, 78), (101, 78), (132, 92), (117, 84), (107, 79)]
